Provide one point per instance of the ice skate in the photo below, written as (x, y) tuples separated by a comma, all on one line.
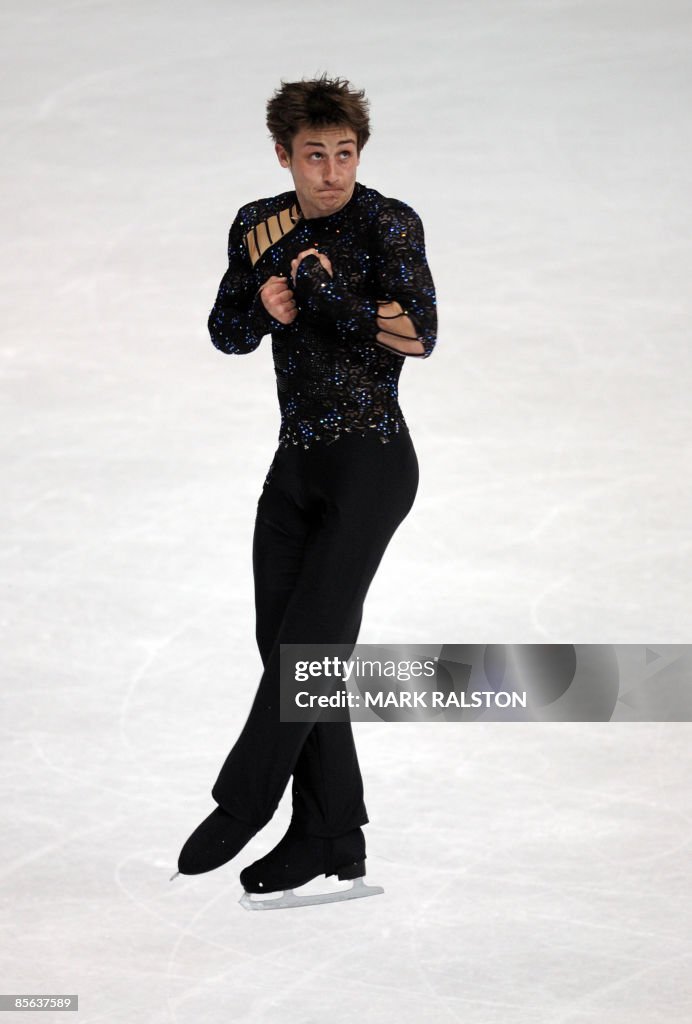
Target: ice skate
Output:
[(289, 898), (214, 842), (299, 858)]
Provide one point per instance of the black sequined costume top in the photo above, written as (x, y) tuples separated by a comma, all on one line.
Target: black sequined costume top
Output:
[(332, 373)]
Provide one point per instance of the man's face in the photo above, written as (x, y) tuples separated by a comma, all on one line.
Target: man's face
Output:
[(323, 167)]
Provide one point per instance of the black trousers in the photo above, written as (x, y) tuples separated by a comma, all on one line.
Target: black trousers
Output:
[(324, 519)]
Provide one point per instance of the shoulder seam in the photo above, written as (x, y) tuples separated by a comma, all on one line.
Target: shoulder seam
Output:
[(261, 205)]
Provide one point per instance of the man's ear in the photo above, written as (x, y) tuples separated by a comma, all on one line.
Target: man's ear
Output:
[(282, 155)]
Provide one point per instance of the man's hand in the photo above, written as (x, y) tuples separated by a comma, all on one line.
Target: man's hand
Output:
[(277, 299), (324, 260)]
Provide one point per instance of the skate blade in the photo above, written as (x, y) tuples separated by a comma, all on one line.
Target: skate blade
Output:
[(289, 898)]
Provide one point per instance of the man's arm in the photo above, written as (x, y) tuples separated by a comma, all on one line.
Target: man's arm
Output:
[(394, 323), (238, 320), (406, 320)]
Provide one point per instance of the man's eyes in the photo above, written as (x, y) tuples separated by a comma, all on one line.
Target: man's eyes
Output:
[(344, 152)]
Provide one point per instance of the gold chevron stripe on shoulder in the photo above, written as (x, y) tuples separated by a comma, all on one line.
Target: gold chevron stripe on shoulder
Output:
[(269, 231)]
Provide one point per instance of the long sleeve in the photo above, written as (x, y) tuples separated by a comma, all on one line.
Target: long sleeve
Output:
[(401, 270), (238, 320)]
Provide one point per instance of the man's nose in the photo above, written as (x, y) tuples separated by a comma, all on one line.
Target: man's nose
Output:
[(329, 170)]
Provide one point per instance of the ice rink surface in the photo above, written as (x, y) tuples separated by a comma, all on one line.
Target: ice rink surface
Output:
[(533, 874)]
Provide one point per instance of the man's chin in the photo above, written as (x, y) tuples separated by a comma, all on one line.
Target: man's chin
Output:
[(329, 200)]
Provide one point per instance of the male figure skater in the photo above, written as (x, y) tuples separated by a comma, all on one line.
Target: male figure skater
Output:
[(337, 274)]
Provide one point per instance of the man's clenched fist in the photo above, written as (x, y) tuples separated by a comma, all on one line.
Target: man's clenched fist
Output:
[(277, 299)]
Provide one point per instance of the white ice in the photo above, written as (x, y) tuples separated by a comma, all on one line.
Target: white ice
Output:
[(533, 874)]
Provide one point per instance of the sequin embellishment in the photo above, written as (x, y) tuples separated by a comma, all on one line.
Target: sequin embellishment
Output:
[(332, 373)]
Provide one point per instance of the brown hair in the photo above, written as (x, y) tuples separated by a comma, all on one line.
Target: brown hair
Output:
[(317, 103)]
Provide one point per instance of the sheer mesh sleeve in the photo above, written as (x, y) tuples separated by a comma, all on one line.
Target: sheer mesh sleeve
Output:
[(402, 273), (238, 320)]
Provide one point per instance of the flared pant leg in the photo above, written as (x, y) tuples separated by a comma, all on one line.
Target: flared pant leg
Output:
[(324, 520)]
